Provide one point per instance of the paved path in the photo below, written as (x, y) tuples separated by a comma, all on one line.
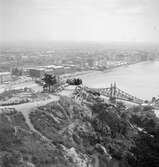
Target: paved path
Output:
[(27, 108)]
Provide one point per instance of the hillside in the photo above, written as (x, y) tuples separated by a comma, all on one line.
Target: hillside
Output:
[(65, 133)]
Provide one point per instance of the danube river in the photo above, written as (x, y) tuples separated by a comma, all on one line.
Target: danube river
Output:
[(141, 79)]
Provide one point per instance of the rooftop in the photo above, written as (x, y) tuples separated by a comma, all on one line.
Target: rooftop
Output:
[(52, 66), (5, 73)]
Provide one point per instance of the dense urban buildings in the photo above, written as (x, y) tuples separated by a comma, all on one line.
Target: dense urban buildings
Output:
[(72, 58)]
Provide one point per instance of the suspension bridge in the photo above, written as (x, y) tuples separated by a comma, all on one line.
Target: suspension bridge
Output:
[(112, 92)]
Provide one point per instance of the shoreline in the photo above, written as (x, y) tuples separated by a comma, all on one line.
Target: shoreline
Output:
[(123, 65), (76, 74)]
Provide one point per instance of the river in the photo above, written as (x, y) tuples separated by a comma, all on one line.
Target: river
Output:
[(141, 79)]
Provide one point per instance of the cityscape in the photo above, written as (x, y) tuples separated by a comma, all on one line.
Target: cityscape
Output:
[(58, 60), (79, 83)]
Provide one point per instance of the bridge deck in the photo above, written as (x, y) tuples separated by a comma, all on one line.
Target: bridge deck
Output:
[(119, 94)]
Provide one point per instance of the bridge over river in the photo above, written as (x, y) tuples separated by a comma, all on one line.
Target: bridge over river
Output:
[(112, 92)]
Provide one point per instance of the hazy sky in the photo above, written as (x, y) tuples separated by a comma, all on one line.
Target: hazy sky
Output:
[(90, 20)]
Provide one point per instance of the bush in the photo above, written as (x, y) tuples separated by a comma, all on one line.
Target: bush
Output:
[(74, 81), (11, 159), (7, 138)]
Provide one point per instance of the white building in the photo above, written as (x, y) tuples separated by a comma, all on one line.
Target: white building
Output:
[(5, 77)]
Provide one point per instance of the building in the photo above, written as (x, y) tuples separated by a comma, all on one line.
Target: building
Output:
[(5, 77), (57, 70), (36, 72)]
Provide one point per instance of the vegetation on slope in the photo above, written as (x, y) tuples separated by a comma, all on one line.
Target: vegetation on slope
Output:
[(146, 150), (78, 135)]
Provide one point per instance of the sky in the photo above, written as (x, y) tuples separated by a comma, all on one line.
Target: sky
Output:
[(79, 20)]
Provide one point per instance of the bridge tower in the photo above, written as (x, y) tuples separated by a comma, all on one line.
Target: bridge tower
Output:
[(113, 92)]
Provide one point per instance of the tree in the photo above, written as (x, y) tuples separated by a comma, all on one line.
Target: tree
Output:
[(11, 159), (17, 71), (153, 100), (120, 108), (49, 80), (146, 151), (74, 81)]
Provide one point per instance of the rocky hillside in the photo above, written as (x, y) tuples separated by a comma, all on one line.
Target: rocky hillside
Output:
[(67, 134)]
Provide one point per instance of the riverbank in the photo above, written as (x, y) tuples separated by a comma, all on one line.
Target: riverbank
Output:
[(121, 66), (80, 73), (76, 74)]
